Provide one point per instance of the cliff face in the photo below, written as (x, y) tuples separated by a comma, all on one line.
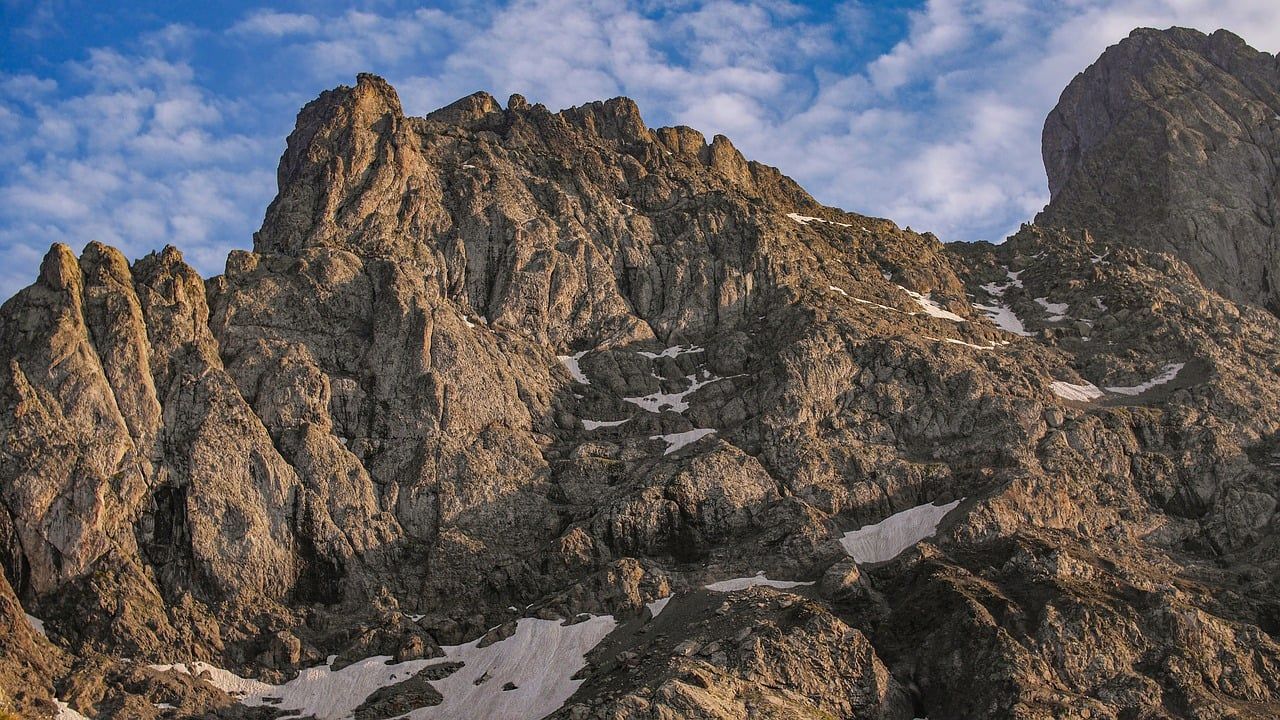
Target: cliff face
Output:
[(1171, 140), (497, 366)]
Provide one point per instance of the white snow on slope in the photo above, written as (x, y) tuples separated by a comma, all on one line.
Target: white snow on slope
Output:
[(675, 441), (954, 341), (932, 308), (657, 606), (882, 307), (997, 289), (889, 537), (1082, 393), (66, 713), (839, 290), (1057, 311), (36, 624), (759, 578), (673, 351), (596, 424), (1168, 373), (1004, 318), (656, 402), (540, 659), (805, 220), (571, 364)]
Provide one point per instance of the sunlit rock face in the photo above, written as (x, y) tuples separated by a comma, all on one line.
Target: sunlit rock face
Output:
[(539, 412)]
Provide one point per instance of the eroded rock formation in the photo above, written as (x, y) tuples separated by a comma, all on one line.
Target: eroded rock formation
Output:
[(504, 363)]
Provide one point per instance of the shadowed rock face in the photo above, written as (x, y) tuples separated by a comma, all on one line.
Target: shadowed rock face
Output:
[(495, 363), (1170, 140)]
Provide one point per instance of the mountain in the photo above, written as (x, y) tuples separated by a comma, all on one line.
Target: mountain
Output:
[(514, 413), (1171, 141)]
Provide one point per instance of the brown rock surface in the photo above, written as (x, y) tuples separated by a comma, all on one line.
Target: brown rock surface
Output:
[(360, 440)]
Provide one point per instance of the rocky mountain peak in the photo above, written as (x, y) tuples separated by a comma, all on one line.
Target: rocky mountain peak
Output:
[(520, 413), (1171, 141)]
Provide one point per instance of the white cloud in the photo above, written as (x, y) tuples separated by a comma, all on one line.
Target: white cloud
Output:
[(133, 153), (276, 24)]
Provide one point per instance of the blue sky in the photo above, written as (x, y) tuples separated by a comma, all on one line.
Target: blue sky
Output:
[(152, 123)]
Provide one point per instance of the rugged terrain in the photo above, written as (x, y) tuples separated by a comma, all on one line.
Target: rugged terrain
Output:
[(512, 412)]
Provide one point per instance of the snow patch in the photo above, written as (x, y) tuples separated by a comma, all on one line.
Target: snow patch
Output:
[(36, 624), (836, 289), (805, 220), (882, 307), (954, 341), (1004, 318), (932, 308), (597, 424), (759, 578), (66, 713), (675, 441), (1167, 374), (886, 539), (657, 402), (1081, 393), (1057, 311), (571, 364), (657, 606), (998, 289), (540, 659), (673, 351)]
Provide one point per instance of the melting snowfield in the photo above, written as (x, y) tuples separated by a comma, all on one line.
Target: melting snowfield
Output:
[(675, 441), (997, 289), (1080, 393), (657, 606), (597, 424), (539, 659), (673, 351), (805, 220), (1167, 374), (759, 578), (657, 402), (1089, 391), (1004, 318), (930, 307), (571, 364), (1057, 311), (66, 713), (889, 537)]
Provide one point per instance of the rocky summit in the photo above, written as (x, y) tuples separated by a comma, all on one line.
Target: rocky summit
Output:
[(513, 413)]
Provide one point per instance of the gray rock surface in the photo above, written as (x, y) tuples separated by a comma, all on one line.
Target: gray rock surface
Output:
[(1171, 140)]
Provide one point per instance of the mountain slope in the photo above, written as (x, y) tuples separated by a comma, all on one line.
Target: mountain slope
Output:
[(497, 366)]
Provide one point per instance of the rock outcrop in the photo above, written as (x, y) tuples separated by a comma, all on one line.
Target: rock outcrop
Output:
[(501, 365), (1171, 140)]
